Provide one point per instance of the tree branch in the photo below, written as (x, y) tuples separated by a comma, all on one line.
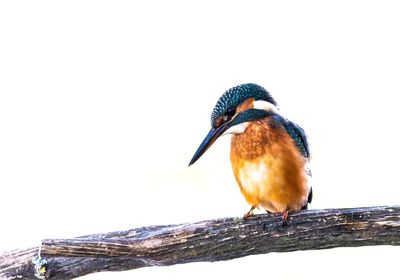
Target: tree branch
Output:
[(212, 240)]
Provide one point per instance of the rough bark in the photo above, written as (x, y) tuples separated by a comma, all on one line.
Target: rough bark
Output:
[(212, 240)]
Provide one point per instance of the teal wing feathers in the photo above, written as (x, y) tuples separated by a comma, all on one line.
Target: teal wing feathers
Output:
[(299, 137)]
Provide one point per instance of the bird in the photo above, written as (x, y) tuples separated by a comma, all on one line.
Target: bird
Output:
[(269, 154)]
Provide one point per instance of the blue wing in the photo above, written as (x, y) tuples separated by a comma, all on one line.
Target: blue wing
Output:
[(299, 137)]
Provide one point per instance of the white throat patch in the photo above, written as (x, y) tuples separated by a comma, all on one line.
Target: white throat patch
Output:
[(237, 129)]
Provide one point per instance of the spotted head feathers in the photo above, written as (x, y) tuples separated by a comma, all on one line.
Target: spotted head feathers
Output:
[(228, 102)]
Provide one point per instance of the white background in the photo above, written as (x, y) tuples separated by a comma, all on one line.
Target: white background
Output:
[(103, 103)]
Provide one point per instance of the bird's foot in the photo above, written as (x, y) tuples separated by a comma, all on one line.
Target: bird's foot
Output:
[(250, 213), (285, 215), (247, 216)]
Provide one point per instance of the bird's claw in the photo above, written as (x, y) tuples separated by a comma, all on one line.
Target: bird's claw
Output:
[(285, 215), (247, 216)]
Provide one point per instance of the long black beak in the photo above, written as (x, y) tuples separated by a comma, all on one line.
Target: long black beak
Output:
[(211, 137)]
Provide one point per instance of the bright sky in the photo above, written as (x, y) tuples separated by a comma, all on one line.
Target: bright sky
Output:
[(103, 103)]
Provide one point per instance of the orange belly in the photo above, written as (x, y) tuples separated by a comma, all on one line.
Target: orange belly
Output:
[(269, 169)]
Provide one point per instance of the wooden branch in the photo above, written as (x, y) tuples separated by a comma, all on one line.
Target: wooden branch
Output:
[(213, 240)]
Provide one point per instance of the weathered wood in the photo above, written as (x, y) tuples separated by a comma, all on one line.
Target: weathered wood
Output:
[(213, 240)]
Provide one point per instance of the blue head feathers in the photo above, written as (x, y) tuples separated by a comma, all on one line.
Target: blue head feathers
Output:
[(236, 95)]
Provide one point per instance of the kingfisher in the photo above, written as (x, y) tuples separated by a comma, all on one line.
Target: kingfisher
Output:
[(269, 154)]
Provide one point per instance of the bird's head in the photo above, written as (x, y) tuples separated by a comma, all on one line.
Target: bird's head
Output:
[(234, 110)]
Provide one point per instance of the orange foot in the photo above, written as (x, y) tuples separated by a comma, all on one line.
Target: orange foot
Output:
[(250, 213), (285, 215)]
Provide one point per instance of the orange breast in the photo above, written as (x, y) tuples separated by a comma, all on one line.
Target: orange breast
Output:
[(269, 168)]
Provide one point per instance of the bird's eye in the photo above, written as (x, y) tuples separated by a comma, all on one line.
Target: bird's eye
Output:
[(230, 113)]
